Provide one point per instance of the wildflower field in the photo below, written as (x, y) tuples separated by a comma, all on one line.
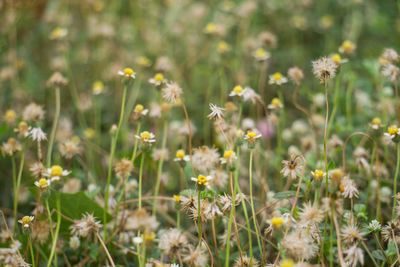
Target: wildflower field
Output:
[(196, 133)]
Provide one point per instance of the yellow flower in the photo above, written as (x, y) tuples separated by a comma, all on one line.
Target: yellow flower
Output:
[(347, 47), (89, 133), (56, 170), (275, 104), (251, 136), (98, 87), (326, 21), (146, 137), (277, 78), (127, 73), (149, 237), (223, 47), (139, 108), (277, 222), (157, 79), (393, 130), (318, 174), (228, 154), (180, 153), (42, 183), (58, 33), (177, 198), (143, 61), (26, 221), (237, 91), (336, 58), (202, 180), (261, 54), (10, 116), (210, 28), (286, 263)]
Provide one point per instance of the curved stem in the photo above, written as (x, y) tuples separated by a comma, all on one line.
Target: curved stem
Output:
[(55, 237), (18, 184), (110, 165), (54, 127)]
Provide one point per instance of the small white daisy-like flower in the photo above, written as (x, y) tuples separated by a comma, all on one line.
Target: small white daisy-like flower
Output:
[(56, 172), (277, 78), (140, 110), (26, 221), (275, 104), (251, 136), (261, 54), (43, 183), (202, 180), (127, 73), (376, 123), (158, 79), (337, 58), (180, 156), (237, 91), (37, 134), (318, 174), (97, 88), (347, 47), (216, 112), (171, 92), (393, 132), (146, 137), (374, 226), (228, 158)]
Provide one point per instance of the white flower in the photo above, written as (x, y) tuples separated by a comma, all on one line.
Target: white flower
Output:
[(392, 132), (250, 95), (43, 183), (137, 240), (146, 137), (216, 112), (26, 221), (261, 55), (56, 172), (127, 73), (171, 92), (277, 78), (158, 79), (37, 134), (202, 180), (374, 225), (237, 91)]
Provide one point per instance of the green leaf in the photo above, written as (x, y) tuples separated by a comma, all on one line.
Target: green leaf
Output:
[(287, 194), (378, 255), (188, 193)]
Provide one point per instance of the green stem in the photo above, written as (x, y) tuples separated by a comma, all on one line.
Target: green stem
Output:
[(178, 218), (14, 173), (110, 165), (395, 178), (228, 237), (160, 165), (335, 104), (369, 254), (348, 102), (251, 201), (55, 236), (140, 180), (54, 127), (18, 184), (136, 144), (31, 250), (380, 246)]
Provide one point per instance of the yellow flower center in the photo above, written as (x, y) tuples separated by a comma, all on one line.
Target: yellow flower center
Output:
[(159, 77), (392, 130), (202, 180), (277, 76), (180, 154), (228, 154), (347, 45), (56, 170), (318, 174), (10, 115), (287, 263), (149, 236), (260, 52), (376, 121), (237, 89), (336, 58), (89, 133), (26, 220), (145, 135), (139, 108), (276, 102), (177, 198), (222, 47), (276, 221), (144, 61), (43, 183), (128, 71), (251, 135), (98, 87), (211, 27)]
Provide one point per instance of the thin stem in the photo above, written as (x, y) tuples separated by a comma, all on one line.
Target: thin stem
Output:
[(55, 236), (110, 165), (18, 184), (190, 136), (395, 178), (251, 200), (325, 138), (54, 127), (160, 165), (228, 237), (369, 253), (140, 180), (31, 251), (105, 249), (380, 246), (136, 144)]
